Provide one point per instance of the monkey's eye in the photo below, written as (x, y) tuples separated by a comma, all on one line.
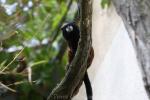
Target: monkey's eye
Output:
[(69, 29)]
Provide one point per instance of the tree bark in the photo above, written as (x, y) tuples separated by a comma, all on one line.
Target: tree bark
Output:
[(136, 17), (76, 71)]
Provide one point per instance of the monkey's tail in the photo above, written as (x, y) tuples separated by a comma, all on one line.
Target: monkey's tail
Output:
[(88, 86)]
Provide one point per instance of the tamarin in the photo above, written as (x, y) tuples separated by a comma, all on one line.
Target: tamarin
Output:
[(71, 33)]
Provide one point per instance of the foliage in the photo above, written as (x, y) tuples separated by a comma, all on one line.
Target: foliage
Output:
[(30, 25), (105, 3)]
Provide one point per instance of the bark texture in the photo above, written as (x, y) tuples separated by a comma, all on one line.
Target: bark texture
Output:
[(136, 17), (77, 68)]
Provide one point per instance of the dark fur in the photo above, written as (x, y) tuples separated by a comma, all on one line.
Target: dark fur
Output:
[(72, 39)]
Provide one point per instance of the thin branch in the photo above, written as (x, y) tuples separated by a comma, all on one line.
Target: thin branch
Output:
[(60, 54), (8, 88), (57, 29), (11, 61)]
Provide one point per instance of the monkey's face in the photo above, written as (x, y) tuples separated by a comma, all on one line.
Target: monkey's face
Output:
[(70, 31)]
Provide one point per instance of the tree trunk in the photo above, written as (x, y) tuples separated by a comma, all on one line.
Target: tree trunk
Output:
[(136, 17), (77, 68)]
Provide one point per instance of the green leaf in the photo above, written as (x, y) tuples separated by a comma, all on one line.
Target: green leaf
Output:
[(105, 3)]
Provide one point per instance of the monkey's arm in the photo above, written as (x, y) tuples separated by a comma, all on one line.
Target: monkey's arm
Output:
[(90, 57), (70, 55), (70, 58)]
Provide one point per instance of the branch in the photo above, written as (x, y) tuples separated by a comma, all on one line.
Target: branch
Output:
[(9, 76), (74, 75)]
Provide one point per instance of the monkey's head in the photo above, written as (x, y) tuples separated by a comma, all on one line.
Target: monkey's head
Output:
[(71, 31)]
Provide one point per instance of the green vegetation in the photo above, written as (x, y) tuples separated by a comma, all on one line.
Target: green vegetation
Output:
[(105, 3), (30, 29)]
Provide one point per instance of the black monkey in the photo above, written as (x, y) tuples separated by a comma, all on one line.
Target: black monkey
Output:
[(71, 33)]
